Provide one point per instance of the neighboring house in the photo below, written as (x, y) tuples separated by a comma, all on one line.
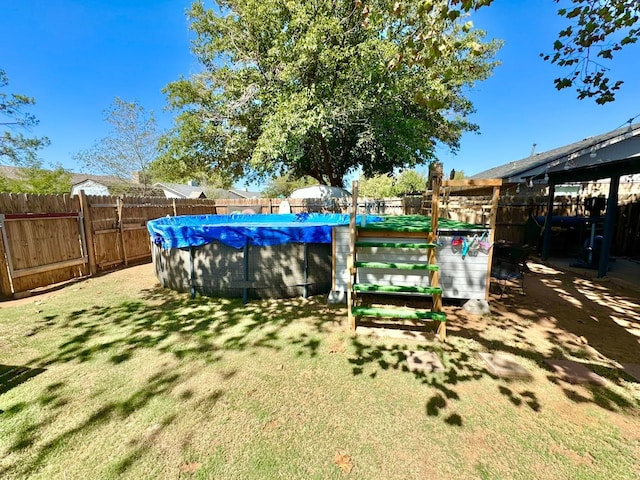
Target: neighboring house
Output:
[(193, 190), (92, 184), (90, 187), (323, 192), (107, 185), (245, 193), (603, 151)]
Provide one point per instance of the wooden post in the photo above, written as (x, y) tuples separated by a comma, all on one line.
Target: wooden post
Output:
[(6, 290), (85, 208), (352, 319), (352, 217), (353, 233), (175, 210), (434, 279), (492, 235), (120, 206)]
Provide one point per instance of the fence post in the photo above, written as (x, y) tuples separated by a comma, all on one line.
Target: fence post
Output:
[(120, 206), (85, 208), (6, 291)]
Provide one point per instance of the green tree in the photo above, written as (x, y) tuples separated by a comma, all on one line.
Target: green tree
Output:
[(597, 29), (283, 185), (129, 149), (377, 186), (35, 179), (410, 181), (320, 88), (15, 147)]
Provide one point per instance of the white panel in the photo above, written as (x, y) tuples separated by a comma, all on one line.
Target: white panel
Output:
[(459, 277)]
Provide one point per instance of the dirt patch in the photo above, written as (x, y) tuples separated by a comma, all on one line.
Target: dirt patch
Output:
[(138, 277), (560, 316)]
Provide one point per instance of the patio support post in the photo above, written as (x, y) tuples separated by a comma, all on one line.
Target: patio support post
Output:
[(609, 219), (546, 242)]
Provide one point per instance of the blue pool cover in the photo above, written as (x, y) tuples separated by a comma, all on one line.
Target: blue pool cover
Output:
[(238, 230)]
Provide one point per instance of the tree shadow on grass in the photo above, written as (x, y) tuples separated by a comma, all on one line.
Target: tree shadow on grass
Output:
[(369, 356), (565, 303), (29, 435), (208, 329), (573, 315), (13, 375), (201, 329)]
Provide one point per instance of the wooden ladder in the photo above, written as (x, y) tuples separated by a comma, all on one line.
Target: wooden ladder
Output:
[(358, 291)]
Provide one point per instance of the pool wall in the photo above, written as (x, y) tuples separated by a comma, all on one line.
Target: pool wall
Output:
[(215, 269), (248, 256)]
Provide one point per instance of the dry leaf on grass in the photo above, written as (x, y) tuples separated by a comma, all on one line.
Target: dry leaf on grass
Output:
[(337, 347), (343, 461), (272, 425), (190, 467)]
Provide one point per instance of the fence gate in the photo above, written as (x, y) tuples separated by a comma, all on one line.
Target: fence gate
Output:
[(43, 248)]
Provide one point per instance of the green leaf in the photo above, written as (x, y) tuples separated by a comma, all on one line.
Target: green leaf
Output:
[(313, 89)]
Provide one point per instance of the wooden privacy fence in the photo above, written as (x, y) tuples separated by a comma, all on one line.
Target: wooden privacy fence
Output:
[(42, 241), (48, 239)]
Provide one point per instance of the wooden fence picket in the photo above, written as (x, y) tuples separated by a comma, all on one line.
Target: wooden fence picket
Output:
[(78, 236)]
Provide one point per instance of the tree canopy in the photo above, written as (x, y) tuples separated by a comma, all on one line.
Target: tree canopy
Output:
[(320, 88), (15, 147), (35, 179), (282, 186), (130, 147), (597, 29), (388, 185)]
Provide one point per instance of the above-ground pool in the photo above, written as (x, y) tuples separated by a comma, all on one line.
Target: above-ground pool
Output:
[(248, 256)]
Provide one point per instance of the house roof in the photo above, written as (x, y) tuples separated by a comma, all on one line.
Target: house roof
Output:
[(187, 191), (245, 193), (131, 188), (607, 147), (12, 173), (106, 180), (181, 190)]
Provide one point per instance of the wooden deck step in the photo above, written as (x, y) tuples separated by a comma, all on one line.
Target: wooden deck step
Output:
[(399, 266), (373, 288), (372, 244), (398, 313)]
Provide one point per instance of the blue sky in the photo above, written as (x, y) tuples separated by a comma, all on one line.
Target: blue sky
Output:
[(75, 57)]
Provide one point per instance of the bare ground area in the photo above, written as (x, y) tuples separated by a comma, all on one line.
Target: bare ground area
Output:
[(563, 314)]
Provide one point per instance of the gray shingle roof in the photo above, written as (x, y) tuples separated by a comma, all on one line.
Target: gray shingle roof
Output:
[(516, 170), (188, 191)]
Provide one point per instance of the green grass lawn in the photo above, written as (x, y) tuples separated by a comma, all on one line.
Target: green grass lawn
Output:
[(115, 378)]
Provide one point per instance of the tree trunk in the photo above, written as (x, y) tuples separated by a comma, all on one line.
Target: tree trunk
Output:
[(334, 181)]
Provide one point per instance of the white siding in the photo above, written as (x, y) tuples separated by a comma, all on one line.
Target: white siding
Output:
[(90, 187), (463, 278)]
